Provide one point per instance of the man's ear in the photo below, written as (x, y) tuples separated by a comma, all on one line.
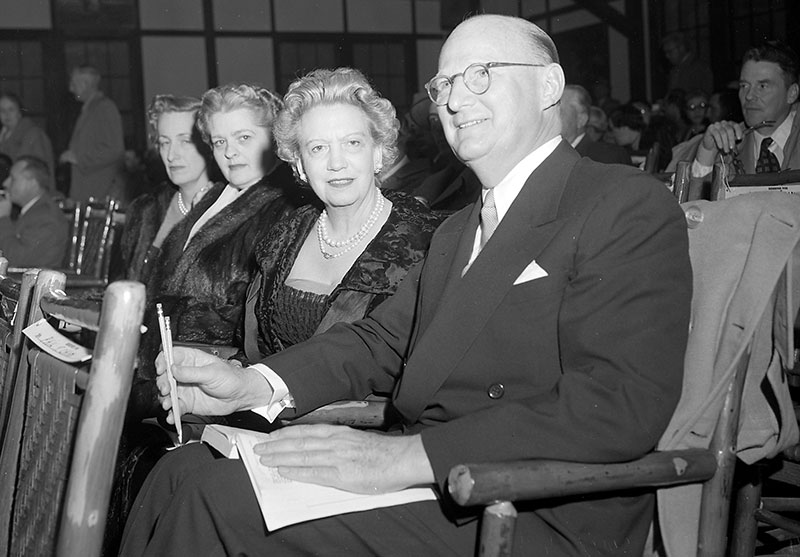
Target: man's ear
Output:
[(583, 119), (553, 86), (792, 93)]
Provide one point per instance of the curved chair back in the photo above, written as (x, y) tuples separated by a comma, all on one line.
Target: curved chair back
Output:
[(72, 420)]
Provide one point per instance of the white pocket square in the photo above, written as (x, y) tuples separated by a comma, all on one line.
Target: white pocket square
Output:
[(531, 272)]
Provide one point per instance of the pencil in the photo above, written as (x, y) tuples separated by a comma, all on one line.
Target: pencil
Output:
[(166, 344)]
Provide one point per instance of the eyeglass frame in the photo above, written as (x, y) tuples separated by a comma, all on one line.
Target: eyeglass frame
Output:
[(488, 66), (695, 106)]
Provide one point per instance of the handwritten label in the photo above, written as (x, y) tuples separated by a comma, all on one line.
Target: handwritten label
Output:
[(54, 343)]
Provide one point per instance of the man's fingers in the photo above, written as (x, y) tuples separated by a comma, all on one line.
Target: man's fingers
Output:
[(321, 475), (315, 430)]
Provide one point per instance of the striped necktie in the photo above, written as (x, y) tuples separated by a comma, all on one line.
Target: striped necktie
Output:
[(489, 218)]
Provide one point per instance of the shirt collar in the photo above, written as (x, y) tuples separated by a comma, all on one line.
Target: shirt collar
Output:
[(509, 187), (29, 204), (577, 140), (781, 135)]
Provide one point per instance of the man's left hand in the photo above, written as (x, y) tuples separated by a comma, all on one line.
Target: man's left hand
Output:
[(346, 458)]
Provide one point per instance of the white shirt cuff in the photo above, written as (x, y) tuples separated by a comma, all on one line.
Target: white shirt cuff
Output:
[(280, 394), (700, 170)]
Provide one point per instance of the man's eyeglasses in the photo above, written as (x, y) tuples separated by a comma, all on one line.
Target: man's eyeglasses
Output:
[(477, 78), (695, 106)]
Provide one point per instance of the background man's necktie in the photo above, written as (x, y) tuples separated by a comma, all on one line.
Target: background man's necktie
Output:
[(767, 161), (488, 218)]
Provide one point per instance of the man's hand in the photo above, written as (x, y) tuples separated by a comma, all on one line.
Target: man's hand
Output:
[(68, 156), (5, 206), (719, 136), (209, 386), (346, 458)]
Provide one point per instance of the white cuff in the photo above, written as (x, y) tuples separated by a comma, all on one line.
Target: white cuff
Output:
[(280, 394)]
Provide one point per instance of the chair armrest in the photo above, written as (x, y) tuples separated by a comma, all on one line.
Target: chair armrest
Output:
[(483, 484), (353, 413)]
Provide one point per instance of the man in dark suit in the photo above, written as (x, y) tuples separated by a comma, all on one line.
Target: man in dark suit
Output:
[(548, 321), (769, 138), (575, 106), (38, 236)]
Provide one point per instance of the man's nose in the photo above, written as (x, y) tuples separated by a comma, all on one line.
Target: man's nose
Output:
[(459, 94)]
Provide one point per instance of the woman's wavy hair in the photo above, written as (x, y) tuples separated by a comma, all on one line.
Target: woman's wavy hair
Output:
[(328, 87), (263, 103), (161, 104)]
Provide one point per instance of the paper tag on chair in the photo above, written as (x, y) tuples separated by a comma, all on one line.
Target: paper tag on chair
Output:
[(54, 343)]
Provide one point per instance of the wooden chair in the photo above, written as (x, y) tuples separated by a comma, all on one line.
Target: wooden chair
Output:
[(497, 485), (94, 227), (15, 299), (681, 181), (652, 158), (73, 212), (724, 185), (95, 240), (15, 391), (677, 182), (72, 423), (372, 413)]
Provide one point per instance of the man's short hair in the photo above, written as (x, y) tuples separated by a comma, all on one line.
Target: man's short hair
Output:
[(542, 45), (598, 118), (36, 169), (582, 96), (779, 53), (630, 116), (90, 72)]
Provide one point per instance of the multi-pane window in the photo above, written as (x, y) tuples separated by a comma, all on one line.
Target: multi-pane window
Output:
[(113, 60), (385, 63), (22, 73)]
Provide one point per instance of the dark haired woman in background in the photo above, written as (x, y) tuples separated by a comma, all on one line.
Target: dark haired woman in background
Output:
[(151, 216), (206, 263)]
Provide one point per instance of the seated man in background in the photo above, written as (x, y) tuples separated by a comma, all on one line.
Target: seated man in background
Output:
[(548, 320), (769, 138), (575, 106), (38, 236)]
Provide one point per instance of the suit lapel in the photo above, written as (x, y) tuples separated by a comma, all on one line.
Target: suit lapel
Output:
[(791, 146), (460, 308)]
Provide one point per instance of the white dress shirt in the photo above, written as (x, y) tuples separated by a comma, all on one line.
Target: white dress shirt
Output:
[(505, 193)]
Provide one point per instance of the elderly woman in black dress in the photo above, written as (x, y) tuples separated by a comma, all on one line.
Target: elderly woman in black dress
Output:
[(339, 258)]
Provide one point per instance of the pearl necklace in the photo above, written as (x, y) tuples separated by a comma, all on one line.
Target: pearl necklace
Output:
[(182, 206), (352, 241)]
